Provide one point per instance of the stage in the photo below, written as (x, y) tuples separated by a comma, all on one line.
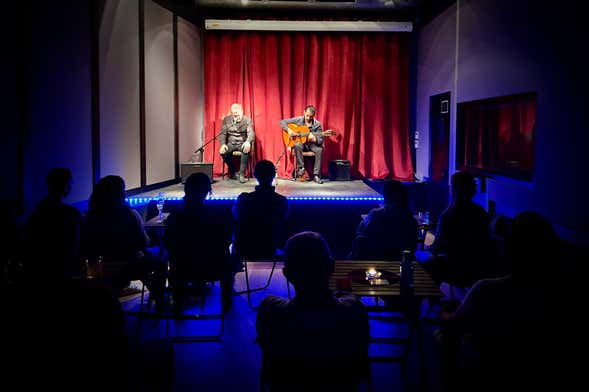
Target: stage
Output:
[(333, 208), (225, 189)]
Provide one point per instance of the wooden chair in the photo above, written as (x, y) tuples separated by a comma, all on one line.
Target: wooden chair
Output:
[(306, 154), (250, 162)]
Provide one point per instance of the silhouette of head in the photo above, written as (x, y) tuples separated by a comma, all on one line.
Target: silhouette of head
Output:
[(59, 182), (308, 264), (532, 246), (197, 186), (464, 186), (264, 172), (394, 192), (108, 194)]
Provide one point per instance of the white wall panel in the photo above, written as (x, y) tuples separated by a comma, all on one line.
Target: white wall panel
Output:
[(191, 90), (119, 91), (159, 94)]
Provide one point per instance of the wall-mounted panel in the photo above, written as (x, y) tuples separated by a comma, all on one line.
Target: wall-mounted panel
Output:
[(191, 90), (159, 94), (119, 91)]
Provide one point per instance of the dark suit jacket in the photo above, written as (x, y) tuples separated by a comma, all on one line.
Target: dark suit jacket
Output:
[(236, 133)]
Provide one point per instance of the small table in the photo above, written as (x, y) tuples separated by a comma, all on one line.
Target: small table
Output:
[(423, 288)]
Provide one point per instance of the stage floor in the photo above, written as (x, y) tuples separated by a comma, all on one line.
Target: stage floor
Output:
[(291, 189)]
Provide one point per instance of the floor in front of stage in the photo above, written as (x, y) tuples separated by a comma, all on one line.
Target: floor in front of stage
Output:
[(286, 187)]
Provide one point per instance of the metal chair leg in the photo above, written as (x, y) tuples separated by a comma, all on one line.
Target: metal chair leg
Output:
[(248, 289)]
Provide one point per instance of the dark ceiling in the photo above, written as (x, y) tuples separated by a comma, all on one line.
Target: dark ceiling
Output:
[(418, 11)]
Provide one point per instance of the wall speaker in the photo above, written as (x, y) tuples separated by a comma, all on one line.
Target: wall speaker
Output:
[(188, 168)]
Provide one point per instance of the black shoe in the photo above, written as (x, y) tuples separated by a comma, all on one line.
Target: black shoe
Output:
[(317, 179), (234, 176)]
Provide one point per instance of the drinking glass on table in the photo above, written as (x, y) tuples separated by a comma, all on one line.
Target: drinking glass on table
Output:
[(160, 206)]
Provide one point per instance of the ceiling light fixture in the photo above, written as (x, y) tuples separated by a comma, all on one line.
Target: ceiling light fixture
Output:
[(303, 25)]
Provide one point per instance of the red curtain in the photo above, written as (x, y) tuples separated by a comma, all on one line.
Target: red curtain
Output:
[(358, 82)]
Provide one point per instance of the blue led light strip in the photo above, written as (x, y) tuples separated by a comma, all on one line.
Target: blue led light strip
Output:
[(133, 201)]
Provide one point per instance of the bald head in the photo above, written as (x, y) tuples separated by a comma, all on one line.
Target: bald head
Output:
[(236, 111)]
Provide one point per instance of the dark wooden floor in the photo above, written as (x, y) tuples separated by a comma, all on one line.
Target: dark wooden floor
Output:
[(233, 363)]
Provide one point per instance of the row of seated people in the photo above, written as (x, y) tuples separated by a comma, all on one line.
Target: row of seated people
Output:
[(462, 253), (504, 309), (198, 239)]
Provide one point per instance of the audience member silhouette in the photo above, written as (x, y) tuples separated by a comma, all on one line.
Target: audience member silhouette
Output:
[(462, 246), (260, 216), (114, 231), (52, 233), (507, 329), (388, 230), (319, 340), (197, 240)]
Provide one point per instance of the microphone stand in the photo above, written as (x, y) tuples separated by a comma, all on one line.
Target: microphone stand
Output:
[(202, 148), (276, 166)]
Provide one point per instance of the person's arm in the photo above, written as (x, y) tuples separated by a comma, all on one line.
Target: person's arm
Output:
[(251, 135), (317, 132), (284, 124), (464, 320), (223, 136), (143, 238)]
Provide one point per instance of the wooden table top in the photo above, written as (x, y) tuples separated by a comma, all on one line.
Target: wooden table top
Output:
[(423, 285)]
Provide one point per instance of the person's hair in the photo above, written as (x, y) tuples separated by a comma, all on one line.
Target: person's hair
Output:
[(197, 186), (395, 192), (464, 186), (58, 180), (236, 105), (311, 108), (108, 194), (308, 260), (532, 246), (264, 171)]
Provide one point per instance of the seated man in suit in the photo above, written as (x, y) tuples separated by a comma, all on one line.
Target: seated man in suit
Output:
[(319, 339), (237, 134)]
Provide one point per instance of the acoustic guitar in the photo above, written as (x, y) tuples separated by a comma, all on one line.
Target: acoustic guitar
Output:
[(301, 134)]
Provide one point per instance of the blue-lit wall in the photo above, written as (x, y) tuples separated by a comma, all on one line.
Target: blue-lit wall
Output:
[(484, 48)]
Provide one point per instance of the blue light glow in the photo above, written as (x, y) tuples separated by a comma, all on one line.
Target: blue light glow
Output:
[(137, 201)]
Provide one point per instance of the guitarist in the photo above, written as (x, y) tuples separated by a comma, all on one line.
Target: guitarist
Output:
[(314, 142)]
